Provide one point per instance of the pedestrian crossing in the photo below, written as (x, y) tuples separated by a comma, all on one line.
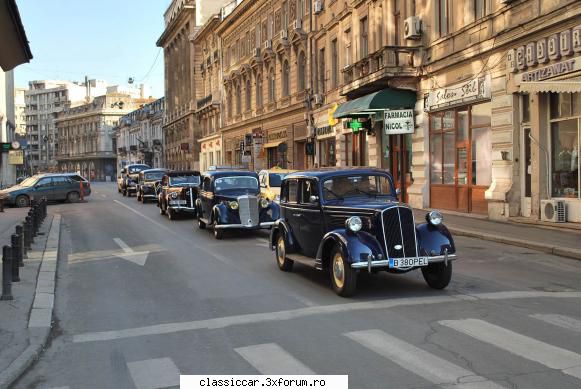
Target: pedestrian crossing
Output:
[(401, 358)]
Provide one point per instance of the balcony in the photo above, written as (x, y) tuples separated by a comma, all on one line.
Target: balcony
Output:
[(210, 101), (388, 62)]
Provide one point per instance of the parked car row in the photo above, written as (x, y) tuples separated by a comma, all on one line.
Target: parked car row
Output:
[(52, 186), (339, 220)]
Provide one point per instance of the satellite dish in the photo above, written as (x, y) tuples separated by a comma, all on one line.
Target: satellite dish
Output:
[(131, 80)]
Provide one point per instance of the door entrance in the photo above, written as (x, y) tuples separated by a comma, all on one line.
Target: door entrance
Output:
[(526, 172), (397, 159)]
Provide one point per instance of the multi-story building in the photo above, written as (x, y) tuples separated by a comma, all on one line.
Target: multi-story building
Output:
[(140, 137), (87, 142), (267, 84), (19, 111), (44, 100)]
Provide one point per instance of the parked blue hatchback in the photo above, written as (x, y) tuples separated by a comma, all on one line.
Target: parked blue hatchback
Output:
[(53, 187)]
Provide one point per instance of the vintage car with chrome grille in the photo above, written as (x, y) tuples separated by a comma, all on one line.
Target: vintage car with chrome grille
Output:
[(178, 193), (146, 184), (127, 181), (230, 199), (349, 220)]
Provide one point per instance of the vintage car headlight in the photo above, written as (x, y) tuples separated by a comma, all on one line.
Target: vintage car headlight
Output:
[(263, 203), (434, 218), (174, 195), (233, 205), (354, 224)]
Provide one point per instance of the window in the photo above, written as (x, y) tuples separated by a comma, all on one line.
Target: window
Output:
[(271, 85), (302, 71), (285, 79), (230, 103), (364, 38), (327, 152), (238, 100), (442, 16), (259, 91), (348, 47), (44, 183), (322, 86), (300, 9), (334, 64), (285, 15), (355, 145), (248, 95), (338, 188), (397, 23), (480, 9), (293, 191), (308, 189), (379, 29)]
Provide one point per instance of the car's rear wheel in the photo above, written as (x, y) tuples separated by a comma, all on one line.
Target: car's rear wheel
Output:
[(438, 275), (343, 277), (73, 197), (22, 201), (282, 261)]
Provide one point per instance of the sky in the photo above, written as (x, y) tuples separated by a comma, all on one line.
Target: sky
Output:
[(109, 40)]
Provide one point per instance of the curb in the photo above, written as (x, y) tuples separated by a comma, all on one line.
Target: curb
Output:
[(39, 322), (546, 248)]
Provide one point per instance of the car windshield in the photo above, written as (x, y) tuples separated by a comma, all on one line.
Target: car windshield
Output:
[(275, 179), (339, 188), (240, 182), (154, 176), (184, 180), (137, 168), (30, 181)]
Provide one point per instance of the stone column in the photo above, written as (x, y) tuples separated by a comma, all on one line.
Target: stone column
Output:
[(418, 192), (539, 152)]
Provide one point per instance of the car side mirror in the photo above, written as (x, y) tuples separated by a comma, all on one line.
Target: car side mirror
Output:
[(314, 199)]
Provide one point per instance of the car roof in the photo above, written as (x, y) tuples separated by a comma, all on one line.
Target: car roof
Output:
[(278, 170), (153, 170), (230, 173), (323, 173), (176, 173)]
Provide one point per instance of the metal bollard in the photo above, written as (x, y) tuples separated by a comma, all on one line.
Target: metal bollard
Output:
[(6, 274), (20, 235), (29, 237), (15, 267), (24, 237), (1, 205)]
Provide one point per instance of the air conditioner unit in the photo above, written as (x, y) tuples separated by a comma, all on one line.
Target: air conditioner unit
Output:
[(412, 28), (268, 44), (256, 52), (298, 25), (553, 211), (317, 7), (318, 99), (284, 35)]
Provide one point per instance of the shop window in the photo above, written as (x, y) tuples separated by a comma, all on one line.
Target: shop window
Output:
[(327, 153), (565, 158), (526, 108), (481, 156), (355, 149)]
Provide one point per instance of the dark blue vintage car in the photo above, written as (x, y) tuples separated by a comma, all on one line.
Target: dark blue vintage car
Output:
[(348, 220), (230, 199)]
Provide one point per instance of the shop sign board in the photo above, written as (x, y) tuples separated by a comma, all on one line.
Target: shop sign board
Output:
[(473, 90), (16, 157), (325, 132), (398, 121), (276, 136)]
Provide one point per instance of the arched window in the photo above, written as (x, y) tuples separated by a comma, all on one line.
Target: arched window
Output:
[(259, 91), (230, 103), (271, 85), (248, 95), (238, 100), (302, 72), (285, 79)]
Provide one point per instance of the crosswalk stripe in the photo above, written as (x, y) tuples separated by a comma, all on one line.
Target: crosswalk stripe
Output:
[(270, 358), (420, 362), (154, 373), (562, 321), (523, 346)]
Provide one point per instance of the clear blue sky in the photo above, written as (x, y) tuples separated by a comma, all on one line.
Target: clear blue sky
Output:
[(110, 40)]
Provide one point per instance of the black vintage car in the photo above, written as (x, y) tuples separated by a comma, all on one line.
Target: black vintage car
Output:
[(146, 183), (178, 192), (349, 220), (127, 181), (230, 199)]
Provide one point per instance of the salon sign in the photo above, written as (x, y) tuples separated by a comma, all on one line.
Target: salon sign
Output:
[(473, 90)]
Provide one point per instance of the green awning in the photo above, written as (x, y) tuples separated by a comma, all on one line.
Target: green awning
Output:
[(378, 101)]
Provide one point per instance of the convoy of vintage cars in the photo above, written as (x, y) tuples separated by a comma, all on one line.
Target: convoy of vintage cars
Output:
[(339, 220)]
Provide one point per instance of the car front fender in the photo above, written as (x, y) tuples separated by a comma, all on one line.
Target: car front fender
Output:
[(281, 226), (220, 214), (355, 247), (434, 240)]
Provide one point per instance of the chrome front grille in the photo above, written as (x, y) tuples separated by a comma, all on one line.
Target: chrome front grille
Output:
[(188, 195), (248, 210), (399, 232)]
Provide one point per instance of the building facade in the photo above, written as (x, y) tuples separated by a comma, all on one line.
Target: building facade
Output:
[(87, 142), (139, 136)]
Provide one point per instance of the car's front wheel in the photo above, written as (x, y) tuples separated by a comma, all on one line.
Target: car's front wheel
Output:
[(218, 233), (22, 201), (343, 277), (438, 275), (282, 261)]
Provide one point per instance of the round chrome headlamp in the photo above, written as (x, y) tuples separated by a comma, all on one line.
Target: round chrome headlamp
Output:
[(354, 224), (174, 195), (434, 218), (233, 205), (263, 203)]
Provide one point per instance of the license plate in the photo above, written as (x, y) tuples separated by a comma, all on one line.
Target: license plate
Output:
[(177, 202), (396, 263)]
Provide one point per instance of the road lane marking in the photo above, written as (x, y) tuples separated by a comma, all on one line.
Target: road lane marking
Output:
[(420, 362), (562, 321), (154, 373), (139, 258), (99, 255), (253, 318), (270, 358), (523, 346), (147, 218)]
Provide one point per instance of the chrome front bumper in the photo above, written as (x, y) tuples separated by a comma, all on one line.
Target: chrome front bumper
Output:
[(178, 208), (243, 226), (372, 262)]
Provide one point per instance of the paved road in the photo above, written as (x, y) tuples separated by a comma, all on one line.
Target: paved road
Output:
[(141, 298)]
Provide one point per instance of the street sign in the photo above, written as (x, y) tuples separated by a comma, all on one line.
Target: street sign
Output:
[(398, 121), (5, 147), (16, 157)]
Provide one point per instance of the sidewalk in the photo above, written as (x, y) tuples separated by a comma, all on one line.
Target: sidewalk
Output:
[(25, 321), (566, 243)]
